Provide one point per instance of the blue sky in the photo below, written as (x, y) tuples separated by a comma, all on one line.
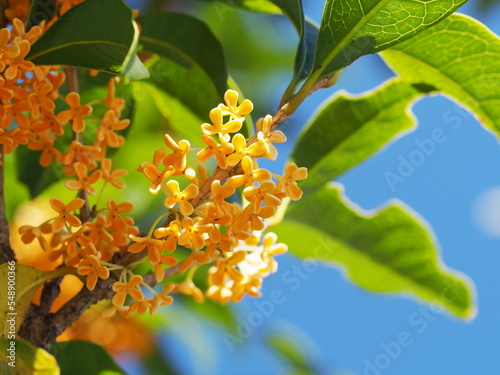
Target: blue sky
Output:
[(346, 330)]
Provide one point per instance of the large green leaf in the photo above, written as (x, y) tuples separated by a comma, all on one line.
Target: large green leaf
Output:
[(83, 358), (187, 40), (348, 130), (390, 251), (461, 58), (27, 359), (353, 28), (95, 34)]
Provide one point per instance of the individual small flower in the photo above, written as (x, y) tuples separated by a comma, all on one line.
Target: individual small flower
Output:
[(98, 230), (231, 107), (6, 50), (65, 215), (116, 104), (192, 235), (181, 197), (220, 193), (74, 113), (241, 150), (91, 267), (81, 153), (261, 193), (219, 127), (39, 98), (288, 184), (129, 288), (76, 240), (266, 137), (114, 217), (213, 148), (84, 182), (16, 111), (251, 173), (171, 233), (29, 233), (153, 245), (178, 158), (109, 125), (49, 152), (153, 174), (112, 176), (19, 32), (17, 64)]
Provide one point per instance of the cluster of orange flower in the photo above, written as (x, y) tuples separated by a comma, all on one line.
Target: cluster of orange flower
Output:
[(203, 214), (219, 230)]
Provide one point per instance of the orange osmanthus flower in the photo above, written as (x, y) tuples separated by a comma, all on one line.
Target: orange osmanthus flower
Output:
[(84, 182), (74, 113), (181, 197), (91, 267), (65, 215), (153, 245), (112, 176), (129, 288)]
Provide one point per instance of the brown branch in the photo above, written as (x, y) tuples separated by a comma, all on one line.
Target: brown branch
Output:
[(6, 252)]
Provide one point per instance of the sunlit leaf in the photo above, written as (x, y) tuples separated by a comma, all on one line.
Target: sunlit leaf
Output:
[(390, 251), (347, 130), (460, 57), (27, 359), (26, 280), (354, 28)]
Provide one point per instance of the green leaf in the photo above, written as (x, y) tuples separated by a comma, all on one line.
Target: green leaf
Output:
[(348, 130), (390, 251), (265, 6), (41, 10), (32, 174), (26, 280), (27, 359), (169, 34), (83, 358), (353, 28), (95, 34), (460, 57), (184, 97)]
